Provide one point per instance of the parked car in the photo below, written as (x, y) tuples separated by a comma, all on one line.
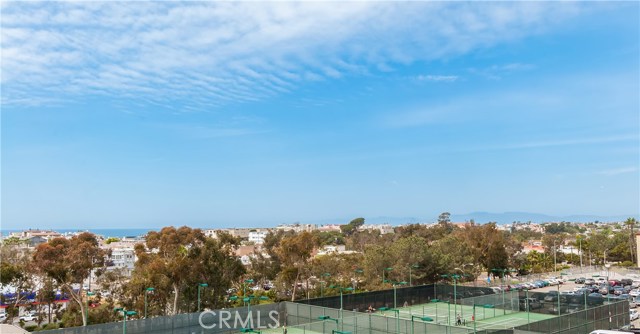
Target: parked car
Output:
[(552, 296), (632, 303), (589, 281), (580, 280), (618, 290), (634, 315), (533, 304), (626, 281), (634, 292), (28, 317), (595, 299)]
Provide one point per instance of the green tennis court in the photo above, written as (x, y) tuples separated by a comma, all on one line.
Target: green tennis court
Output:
[(447, 314)]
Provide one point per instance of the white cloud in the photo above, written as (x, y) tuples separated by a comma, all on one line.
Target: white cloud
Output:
[(212, 53), (618, 171), (437, 78)]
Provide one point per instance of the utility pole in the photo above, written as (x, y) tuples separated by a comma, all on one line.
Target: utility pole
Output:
[(580, 240), (555, 251)]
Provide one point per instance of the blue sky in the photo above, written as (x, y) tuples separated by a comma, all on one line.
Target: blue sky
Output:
[(143, 114)]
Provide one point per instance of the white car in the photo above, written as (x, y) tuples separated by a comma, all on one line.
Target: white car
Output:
[(634, 293), (29, 317), (634, 315)]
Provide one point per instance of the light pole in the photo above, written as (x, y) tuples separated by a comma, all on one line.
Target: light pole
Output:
[(555, 252), (526, 296), (503, 287), (383, 271), (125, 313), (395, 284), (414, 266), (248, 301), (580, 241), (474, 314), (397, 312), (89, 293), (327, 318), (421, 318), (244, 291), (341, 289), (201, 285), (146, 292), (455, 292), (322, 283)]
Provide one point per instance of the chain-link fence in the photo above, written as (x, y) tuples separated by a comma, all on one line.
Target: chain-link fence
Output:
[(611, 316), (394, 298), (211, 322)]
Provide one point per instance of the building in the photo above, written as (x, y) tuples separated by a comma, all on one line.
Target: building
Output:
[(122, 255), (382, 228), (257, 237)]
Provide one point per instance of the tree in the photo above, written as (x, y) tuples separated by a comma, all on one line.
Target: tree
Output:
[(170, 255), (295, 252), (69, 262), (15, 271), (175, 261), (352, 227)]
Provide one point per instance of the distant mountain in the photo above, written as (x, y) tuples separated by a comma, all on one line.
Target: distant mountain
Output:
[(482, 218), (510, 217)]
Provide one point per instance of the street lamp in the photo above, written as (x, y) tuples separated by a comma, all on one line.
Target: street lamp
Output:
[(395, 284), (248, 301), (341, 289), (455, 292), (201, 285), (244, 289), (146, 292), (383, 271), (89, 293), (474, 314), (503, 287), (397, 312), (125, 313), (421, 318), (327, 318), (413, 266)]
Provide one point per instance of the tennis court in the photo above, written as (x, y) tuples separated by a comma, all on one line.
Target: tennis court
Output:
[(486, 316)]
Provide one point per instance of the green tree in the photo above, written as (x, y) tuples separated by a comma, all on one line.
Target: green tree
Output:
[(69, 262), (295, 252), (352, 227)]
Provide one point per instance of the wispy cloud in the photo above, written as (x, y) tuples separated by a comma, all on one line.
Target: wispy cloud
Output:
[(618, 171), (207, 54), (437, 78), (496, 72), (562, 142)]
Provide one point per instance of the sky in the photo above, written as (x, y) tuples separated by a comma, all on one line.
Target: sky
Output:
[(146, 114)]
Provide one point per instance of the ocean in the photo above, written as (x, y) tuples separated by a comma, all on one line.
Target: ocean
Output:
[(118, 233)]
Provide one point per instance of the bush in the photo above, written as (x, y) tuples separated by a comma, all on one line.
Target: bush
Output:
[(30, 328), (50, 326), (626, 264)]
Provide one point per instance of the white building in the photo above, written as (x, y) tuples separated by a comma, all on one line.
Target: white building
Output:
[(122, 258), (382, 228), (257, 237)]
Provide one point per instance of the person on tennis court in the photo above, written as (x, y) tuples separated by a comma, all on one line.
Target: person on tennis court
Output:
[(406, 304), (459, 320)]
